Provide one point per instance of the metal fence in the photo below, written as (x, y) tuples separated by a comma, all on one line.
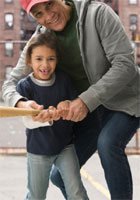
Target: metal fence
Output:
[(134, 145)]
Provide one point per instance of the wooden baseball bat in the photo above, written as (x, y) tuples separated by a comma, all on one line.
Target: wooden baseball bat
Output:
[(12, 112)]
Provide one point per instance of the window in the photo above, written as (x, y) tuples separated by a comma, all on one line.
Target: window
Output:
[(9, 21), (133, 26), (22, 34), (133, 1), (108, 1), (22, 14), (8, 1), (8, 71), (133, 19), (133, 22), (9, 49)]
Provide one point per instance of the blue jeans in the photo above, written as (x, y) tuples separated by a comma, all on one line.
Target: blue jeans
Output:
[(108, 132), (39, 168)]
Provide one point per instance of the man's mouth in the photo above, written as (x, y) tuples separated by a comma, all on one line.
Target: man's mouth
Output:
[(54, 20)]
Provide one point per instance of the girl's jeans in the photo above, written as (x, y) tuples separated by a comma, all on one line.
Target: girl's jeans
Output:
[(108, 132), (39, 168)]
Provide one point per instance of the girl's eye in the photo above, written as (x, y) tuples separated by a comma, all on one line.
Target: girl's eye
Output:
[(51, 59), (39, 59)]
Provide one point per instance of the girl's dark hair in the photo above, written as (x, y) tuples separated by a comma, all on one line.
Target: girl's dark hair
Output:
[(47, 38)]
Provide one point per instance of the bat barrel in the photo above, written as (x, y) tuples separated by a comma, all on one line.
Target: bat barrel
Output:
[(11, 112)]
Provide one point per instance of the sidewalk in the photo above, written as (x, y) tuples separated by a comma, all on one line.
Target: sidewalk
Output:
[(13, 179)]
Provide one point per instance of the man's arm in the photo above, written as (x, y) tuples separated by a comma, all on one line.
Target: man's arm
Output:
[(10, 95), (119, 53)]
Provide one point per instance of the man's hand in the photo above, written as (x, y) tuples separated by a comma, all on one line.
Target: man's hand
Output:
[(63, 108), (75, 111)]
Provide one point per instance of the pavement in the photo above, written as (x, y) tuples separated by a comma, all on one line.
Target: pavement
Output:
[(13, 179)]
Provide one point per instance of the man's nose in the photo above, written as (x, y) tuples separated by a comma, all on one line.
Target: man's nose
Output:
[(48, 16)]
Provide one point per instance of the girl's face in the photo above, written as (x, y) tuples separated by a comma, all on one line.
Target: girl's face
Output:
[(43, 62), (53, 14)]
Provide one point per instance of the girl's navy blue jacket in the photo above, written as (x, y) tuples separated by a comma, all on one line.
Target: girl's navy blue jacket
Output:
[(48, 140)]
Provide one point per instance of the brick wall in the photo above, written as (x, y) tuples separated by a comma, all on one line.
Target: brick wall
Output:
[(13, 34), (125, 10), (8, 34)]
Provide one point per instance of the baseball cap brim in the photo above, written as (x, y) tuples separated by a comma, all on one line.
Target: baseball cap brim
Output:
[(32, 3)]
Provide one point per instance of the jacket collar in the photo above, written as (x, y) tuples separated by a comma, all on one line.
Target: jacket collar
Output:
[(81, 7)]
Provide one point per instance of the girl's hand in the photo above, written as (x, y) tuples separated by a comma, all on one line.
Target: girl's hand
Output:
[(29, 105), (49, 115), (54, 113)]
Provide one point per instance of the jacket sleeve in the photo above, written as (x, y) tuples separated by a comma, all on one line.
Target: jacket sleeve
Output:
[(9, 93), (118, 51), (30, 124)]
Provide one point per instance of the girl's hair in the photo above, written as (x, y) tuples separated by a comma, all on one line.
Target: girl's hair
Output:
[(47, 38)]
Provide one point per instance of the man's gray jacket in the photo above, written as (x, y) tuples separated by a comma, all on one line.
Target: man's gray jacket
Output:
[(108, 59)]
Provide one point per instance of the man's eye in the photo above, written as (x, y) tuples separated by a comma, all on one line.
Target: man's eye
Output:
[(38, 15), (49, 4)]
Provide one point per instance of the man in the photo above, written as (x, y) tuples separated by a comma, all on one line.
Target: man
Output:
[(96, 53)]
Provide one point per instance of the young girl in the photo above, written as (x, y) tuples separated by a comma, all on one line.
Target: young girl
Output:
[(49, 144)]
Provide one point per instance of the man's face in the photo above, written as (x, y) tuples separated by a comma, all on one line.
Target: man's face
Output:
[(53, 14)]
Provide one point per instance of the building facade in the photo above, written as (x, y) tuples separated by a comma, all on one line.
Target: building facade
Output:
[(129, 12), (15, 29), (111, 3)]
